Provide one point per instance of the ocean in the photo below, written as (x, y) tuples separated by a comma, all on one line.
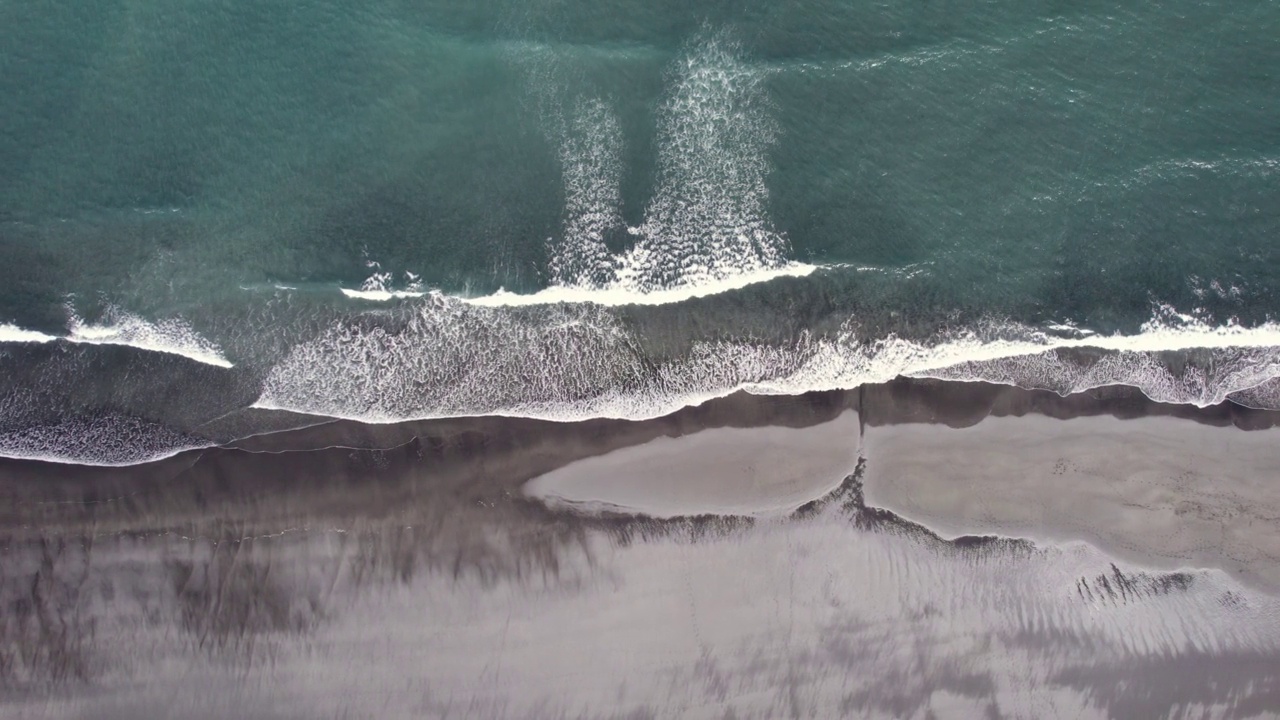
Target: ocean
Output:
[(392, 211)]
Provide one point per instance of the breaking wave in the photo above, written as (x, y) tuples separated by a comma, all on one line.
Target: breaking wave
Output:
[(172, 335), (119, 327), (616, 296), (708, 220), (10, 333), (380, 286), (706, 229)]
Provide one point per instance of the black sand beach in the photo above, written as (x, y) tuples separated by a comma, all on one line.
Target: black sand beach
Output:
[(591, 359), (1093, 555)]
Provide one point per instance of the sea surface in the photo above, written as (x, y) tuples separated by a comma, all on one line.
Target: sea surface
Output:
[(560, 209)]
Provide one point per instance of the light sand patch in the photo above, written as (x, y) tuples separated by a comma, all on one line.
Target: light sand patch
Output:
[(756, 471), (1156, 490)]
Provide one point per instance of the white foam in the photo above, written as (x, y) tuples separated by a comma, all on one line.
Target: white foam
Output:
[(572, 362), (378, 286), (591, 168), (1263, 396), (616, 296), (173, 335), (101, 441), (705, 231), (708, 219), (1238, 358), (1069, 327), (14, 334), (381, 295)]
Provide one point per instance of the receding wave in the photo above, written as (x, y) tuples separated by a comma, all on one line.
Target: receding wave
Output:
[(106, 441), (570, 362)]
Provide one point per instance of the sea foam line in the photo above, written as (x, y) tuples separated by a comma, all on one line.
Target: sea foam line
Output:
[(624, 295), (10, 333), (91, 458), (575, 362), (173, 336), (109, 440), (608, 296), (1031, 362), (382, 295)]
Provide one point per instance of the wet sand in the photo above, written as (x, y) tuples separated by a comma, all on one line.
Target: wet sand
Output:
[(1157, 491), (344, 570), (729, 472)]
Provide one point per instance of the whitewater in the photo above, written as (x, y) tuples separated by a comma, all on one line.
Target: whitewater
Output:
[(174, 335), (568, 352)]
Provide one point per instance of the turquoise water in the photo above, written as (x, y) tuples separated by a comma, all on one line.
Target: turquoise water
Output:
[(981, 170)]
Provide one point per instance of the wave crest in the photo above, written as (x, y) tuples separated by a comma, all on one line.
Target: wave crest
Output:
[(171, 335)]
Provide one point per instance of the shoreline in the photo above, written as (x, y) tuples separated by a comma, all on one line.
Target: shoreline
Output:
[(370, 559), (921, 441), (66, 402), (520, 448)]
